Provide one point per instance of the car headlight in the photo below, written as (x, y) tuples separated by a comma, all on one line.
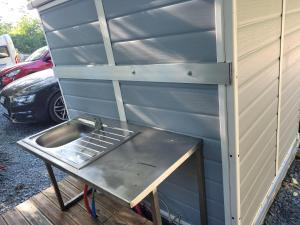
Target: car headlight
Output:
[(12, 73), (23, 100)]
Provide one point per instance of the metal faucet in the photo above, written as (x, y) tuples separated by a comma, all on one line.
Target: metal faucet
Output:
[(97, 121)]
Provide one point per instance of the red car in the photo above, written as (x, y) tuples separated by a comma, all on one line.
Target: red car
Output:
[(37, 61)]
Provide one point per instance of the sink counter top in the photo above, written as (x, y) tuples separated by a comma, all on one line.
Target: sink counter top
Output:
[(130, 170)]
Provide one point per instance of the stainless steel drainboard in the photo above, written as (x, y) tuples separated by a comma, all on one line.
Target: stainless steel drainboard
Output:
[(91, 146)]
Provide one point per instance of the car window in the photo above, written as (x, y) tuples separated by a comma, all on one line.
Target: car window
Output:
[(38, 54), (4, 52)]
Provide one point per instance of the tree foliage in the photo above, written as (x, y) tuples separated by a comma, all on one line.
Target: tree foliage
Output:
[(27, 34)]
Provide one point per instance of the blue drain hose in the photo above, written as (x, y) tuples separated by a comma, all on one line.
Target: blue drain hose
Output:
[(93, 205)]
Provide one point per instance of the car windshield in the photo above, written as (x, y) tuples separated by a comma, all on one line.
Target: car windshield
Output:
[(38, 54), (3, 52)]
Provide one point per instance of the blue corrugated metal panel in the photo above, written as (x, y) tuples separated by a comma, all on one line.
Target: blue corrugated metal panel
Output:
[(143, 32), (69, 14), (80, 55), (89, 96), (73, 33), (192, 110), (85, 34)]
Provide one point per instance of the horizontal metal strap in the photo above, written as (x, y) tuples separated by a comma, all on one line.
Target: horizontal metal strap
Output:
[(210, 73)]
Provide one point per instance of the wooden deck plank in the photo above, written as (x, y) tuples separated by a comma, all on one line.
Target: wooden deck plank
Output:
[(43, 209), (2, 222), (115, 221), (112, 206), (69, 190), (14, 217), (51, 211), (124, 213), (32, 214), (76, 211)]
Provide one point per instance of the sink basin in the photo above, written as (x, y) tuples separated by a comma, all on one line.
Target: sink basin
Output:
[(63, 135), (80, 141)]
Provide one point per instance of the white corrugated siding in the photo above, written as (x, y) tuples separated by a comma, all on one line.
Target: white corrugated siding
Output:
[(259, 29), (259, 37), (289, 119)]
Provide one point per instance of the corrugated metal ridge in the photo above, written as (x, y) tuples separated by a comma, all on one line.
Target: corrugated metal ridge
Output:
[(179, 33), (177, 111), (219, 219), (93, 98), (77, 46), (194, 194), (82, 112), (57, 30), (148, 9)]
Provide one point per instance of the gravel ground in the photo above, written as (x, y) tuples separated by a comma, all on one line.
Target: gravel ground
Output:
[(24, 175), (285, 210)]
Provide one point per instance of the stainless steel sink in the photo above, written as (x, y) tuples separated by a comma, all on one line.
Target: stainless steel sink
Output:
[(80, 141), (62, 135)]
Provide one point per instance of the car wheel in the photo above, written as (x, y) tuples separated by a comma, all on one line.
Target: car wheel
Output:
[(57, 109)]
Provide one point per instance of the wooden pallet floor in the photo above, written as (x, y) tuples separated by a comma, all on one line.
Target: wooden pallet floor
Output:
[(43, 209)]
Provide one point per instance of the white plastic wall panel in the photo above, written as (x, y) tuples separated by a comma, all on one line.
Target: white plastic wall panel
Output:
[(161, 31), (89, 96), (289, 120), (292, 20), (261, 33), (259, 29), (246, 93), (252, 113), (248, 16), (291, 40), (187, 109), (250, 138), (73, 33), (261, 58), (262, 185)]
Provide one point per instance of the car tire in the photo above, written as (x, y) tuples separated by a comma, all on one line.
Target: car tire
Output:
[(57, 109)]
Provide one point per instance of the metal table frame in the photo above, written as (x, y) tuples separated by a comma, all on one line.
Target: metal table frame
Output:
[(155, 208)]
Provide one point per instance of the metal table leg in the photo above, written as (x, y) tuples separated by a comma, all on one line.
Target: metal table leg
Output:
[(201, 185), (156, 217), (71, 202)]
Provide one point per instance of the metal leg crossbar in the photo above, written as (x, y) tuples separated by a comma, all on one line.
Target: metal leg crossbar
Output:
[(71, 202)]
